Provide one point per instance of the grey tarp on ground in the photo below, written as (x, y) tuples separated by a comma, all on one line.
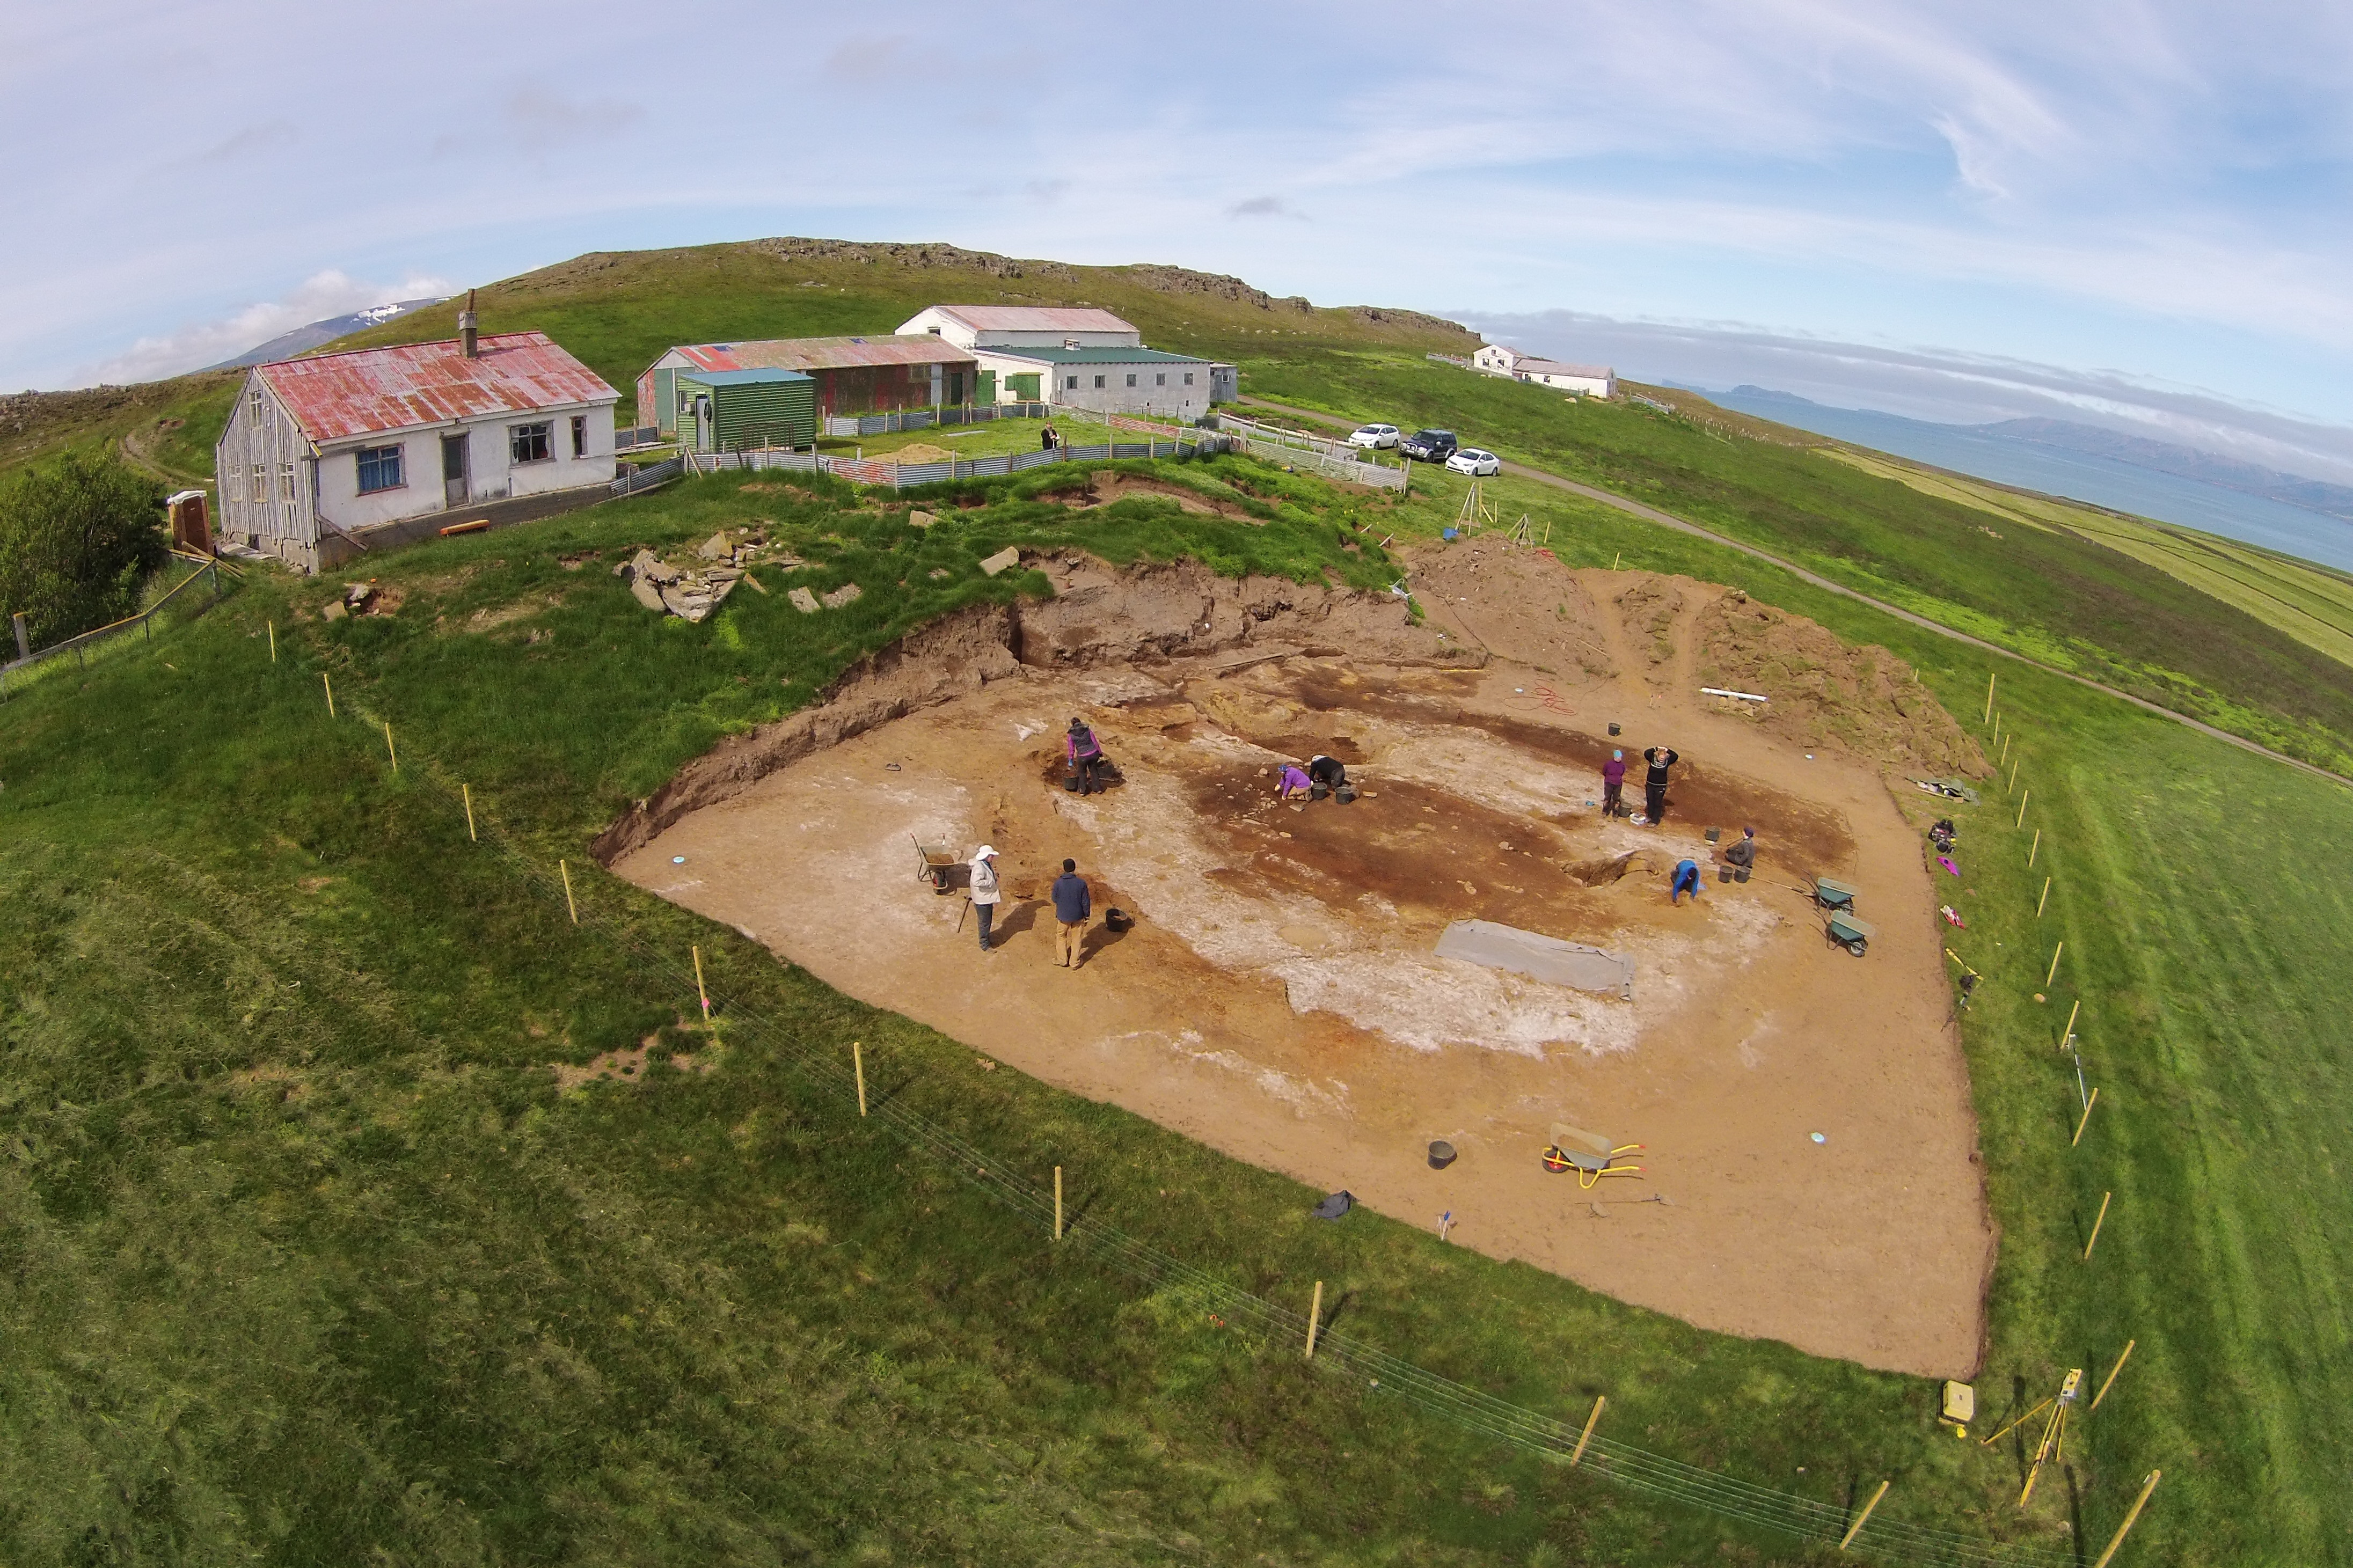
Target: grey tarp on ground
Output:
[(1539, 957)]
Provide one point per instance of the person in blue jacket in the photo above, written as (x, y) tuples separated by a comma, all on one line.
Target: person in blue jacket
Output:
[(1072, 906), (1686, 880)]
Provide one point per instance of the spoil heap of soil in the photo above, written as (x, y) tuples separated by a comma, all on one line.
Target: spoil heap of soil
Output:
[(1864, 700)]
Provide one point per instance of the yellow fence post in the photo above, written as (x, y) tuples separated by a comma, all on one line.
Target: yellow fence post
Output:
[(389, 750), (2021, 804), (2033, 849), (1586, 1437), (2090, 1102), (1856, 1528), (325, 680), (1057, 1207), (1990, 677), (2097, 1220), (2121, 1356), (2054, 965), (858, 1067), (2139, 1502), (465, 792), (1315, 1321), (564, 871), (2043, 899)]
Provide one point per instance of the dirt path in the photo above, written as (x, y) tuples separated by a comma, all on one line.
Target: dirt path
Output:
[(1668, 519), (1278, 997)]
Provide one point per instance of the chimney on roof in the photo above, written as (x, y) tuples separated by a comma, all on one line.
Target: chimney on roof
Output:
[(466, 328)]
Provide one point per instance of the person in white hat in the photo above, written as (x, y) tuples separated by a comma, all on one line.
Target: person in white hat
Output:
[(985, 889)]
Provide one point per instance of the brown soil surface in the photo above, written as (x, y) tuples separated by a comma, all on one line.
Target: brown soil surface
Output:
[(1103, 489), (1278, 997)]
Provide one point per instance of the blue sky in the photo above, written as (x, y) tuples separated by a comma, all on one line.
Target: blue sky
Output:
[(2143, 196)]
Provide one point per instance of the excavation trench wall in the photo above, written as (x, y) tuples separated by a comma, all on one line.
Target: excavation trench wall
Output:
[(1099, 616)]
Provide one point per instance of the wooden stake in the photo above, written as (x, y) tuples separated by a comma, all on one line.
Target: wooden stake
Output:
[(2097, 1220), (1856, 1528), (2121, 1356), (1615, 559), (1058, 1220), (2043, 899), (2005, 752), (273, 642), (2084, 1122), (1315, 1320), (857, 1065), (325, 680), (1990, 677), (566, 872), (2013, 772), (2139, 1502), (1586, 1436), (466, 792), (698, 989), (2054, 965), (2033, 849), (2069, 1032), (388, 749), (2022, 805)]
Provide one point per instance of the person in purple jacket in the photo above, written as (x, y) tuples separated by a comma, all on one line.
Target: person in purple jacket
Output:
[(1293, 778), (1613, 783), (1086, 757)]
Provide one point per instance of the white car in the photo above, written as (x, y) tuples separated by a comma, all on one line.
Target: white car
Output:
[(1379, 437), (1472, 461)]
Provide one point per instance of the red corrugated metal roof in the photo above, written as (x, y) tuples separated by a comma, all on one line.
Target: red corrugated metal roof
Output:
[(1034, 319), (826, 354), (370, 390)]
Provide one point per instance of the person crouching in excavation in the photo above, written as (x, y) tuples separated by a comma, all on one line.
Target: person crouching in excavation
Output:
[(1654, 783), (985, 892), (1686, 880), (1327, 772), (1742, 856), (1086, 757), (1613, 785), (1072, 905), (1292, 778)]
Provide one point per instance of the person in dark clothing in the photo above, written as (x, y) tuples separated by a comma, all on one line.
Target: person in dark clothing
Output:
[(1072, 906), (1654, 783), (1613, 785), (1742, 856), (1086, 757), (1327, 772), (1046, 438)]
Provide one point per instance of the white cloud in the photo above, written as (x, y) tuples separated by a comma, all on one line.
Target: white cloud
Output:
[(200, 343)]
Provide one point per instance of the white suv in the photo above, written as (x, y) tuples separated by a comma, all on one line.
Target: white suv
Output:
[(1375, 436)]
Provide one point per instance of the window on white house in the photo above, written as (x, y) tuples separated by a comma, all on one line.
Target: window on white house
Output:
[(1131, 379), (1099, 380), (1188, 378), (253, 403), (379, 469), (1160, 379), (1070, 384), (260, 483), (580, 435), (285, 481), (528, 443)]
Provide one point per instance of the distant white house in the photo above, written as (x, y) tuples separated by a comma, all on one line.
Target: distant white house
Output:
[(1585, 380), (1078, 357), (337, 444), (1024, 327)]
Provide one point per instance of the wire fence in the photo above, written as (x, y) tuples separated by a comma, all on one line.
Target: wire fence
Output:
[(178, 600), (1373, 1371), (1332, 459)]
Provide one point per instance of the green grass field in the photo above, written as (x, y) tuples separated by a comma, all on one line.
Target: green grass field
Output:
[(309, 1260)]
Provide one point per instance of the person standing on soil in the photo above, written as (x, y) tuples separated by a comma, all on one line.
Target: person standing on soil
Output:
[(1086, 757), (1072, 906), (1654, 785), (984, 891), (1613, 785), (1686, 880)]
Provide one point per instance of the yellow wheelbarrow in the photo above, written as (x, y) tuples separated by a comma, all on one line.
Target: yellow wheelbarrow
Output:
[(1589, 1154)]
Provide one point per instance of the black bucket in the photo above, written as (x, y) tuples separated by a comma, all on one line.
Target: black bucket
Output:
[(1616, 731), (1117, 919), (1344, 794), (1441, 1155), (1723, 873), (1318, 790), (1740, 874)]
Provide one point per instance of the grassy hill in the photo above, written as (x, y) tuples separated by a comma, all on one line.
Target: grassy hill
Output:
[(309, 1259)]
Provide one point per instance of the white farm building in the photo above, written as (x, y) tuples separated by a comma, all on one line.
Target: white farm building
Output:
[(319, 451), (1077, 357), (1585, 380)]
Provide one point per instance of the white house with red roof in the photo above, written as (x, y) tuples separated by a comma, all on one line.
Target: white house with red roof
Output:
[(340, 444), (1585, 380)]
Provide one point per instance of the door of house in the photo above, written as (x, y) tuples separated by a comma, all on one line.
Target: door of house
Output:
[(703, 421), (955, 389), (454, 487)]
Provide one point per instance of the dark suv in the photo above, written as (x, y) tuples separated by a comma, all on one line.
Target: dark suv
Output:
[(1428, 446)]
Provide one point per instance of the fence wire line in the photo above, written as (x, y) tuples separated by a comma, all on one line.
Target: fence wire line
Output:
[(1336, 1354)]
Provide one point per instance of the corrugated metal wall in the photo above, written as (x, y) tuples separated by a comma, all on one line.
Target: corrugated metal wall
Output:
[(756, 413)]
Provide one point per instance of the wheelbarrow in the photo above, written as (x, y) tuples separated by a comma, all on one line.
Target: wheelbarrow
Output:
[(1832, 895), (1850, 931), (1589, 1154), (937, 864)]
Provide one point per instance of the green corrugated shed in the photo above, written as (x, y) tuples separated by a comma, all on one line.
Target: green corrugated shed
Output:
[(747, 408)]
